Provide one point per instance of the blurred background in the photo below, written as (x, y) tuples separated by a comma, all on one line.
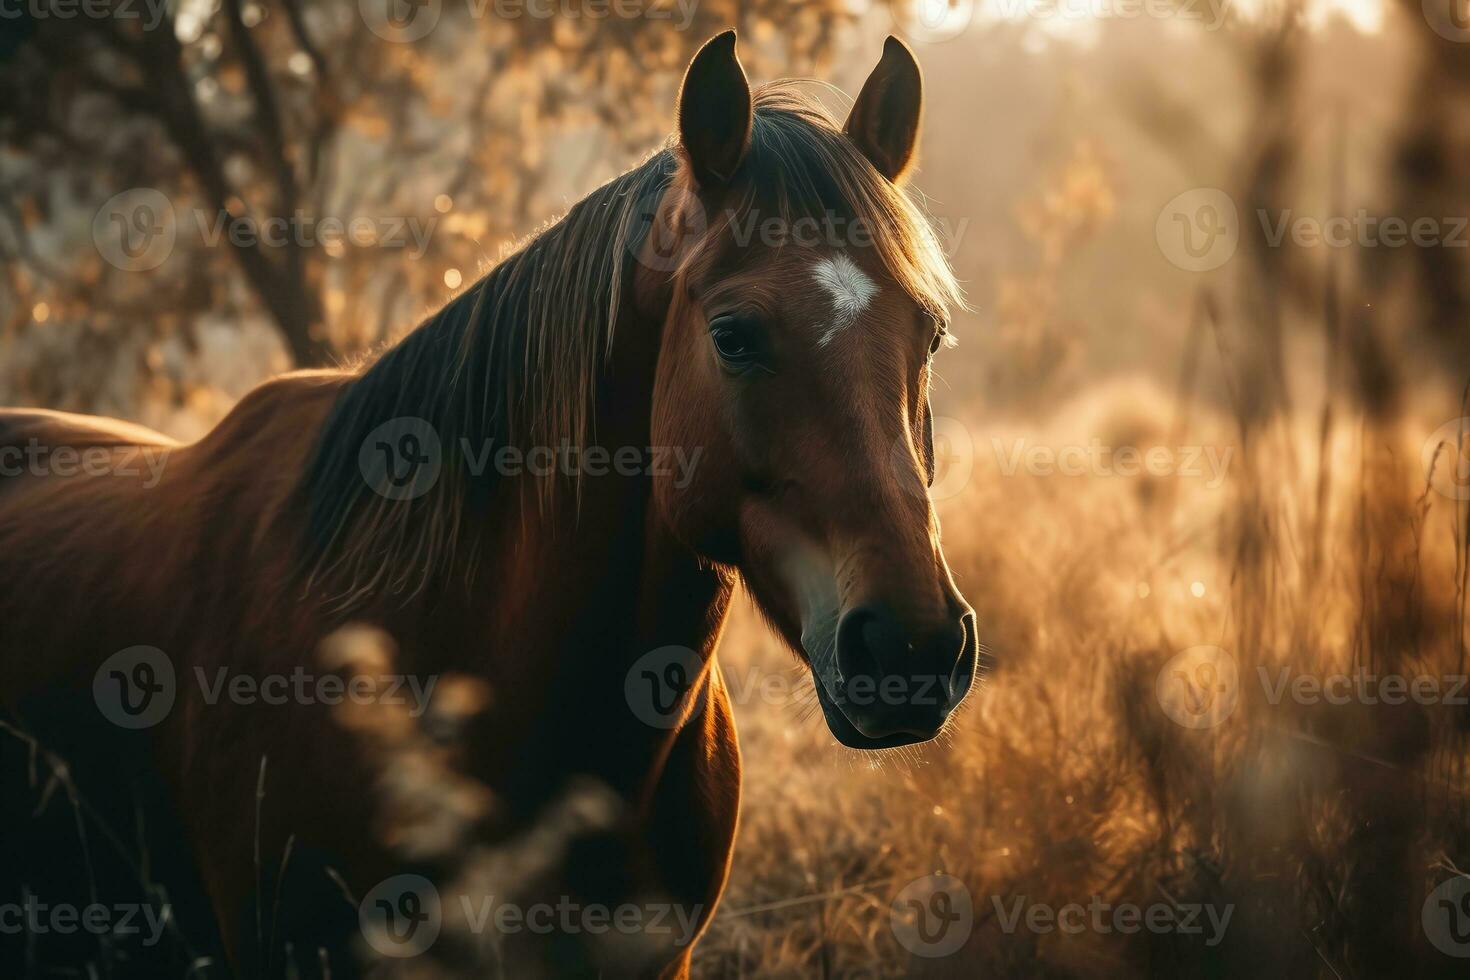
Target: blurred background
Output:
[(1202, 441)]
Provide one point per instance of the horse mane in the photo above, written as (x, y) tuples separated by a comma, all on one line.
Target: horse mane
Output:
[(515, 358)]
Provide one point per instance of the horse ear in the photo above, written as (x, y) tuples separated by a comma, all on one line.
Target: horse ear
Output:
[(884, 122), (714, 112)]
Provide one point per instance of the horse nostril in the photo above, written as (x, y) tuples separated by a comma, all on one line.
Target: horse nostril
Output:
[(898, 679), (963, 675), (945, 656), (869, 643)]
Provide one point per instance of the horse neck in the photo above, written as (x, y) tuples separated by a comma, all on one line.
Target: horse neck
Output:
[(567, 594)]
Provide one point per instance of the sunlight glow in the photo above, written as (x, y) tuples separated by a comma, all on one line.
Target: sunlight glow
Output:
[(1076, 20)]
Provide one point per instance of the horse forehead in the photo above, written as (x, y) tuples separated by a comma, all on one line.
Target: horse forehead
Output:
[(848, 290)]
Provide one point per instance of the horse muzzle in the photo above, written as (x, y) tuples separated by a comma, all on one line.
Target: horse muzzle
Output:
[(894, 683)]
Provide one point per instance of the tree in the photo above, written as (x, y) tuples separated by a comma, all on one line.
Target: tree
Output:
[(329, 167)]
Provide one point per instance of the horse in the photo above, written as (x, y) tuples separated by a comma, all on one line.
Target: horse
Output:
[(493, 499)]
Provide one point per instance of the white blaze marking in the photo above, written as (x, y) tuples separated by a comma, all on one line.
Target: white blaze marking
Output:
[(851, 292)]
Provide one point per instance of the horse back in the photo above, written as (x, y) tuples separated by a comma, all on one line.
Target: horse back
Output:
[(112, 534), (20, 427), (37, 442)]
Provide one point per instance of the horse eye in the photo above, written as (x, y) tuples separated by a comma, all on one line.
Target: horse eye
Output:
[(736, 339)]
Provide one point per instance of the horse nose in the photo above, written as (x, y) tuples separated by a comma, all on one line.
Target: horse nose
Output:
[(898, 678)]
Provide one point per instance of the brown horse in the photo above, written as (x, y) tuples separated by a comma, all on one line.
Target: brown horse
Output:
[(714, 368)]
